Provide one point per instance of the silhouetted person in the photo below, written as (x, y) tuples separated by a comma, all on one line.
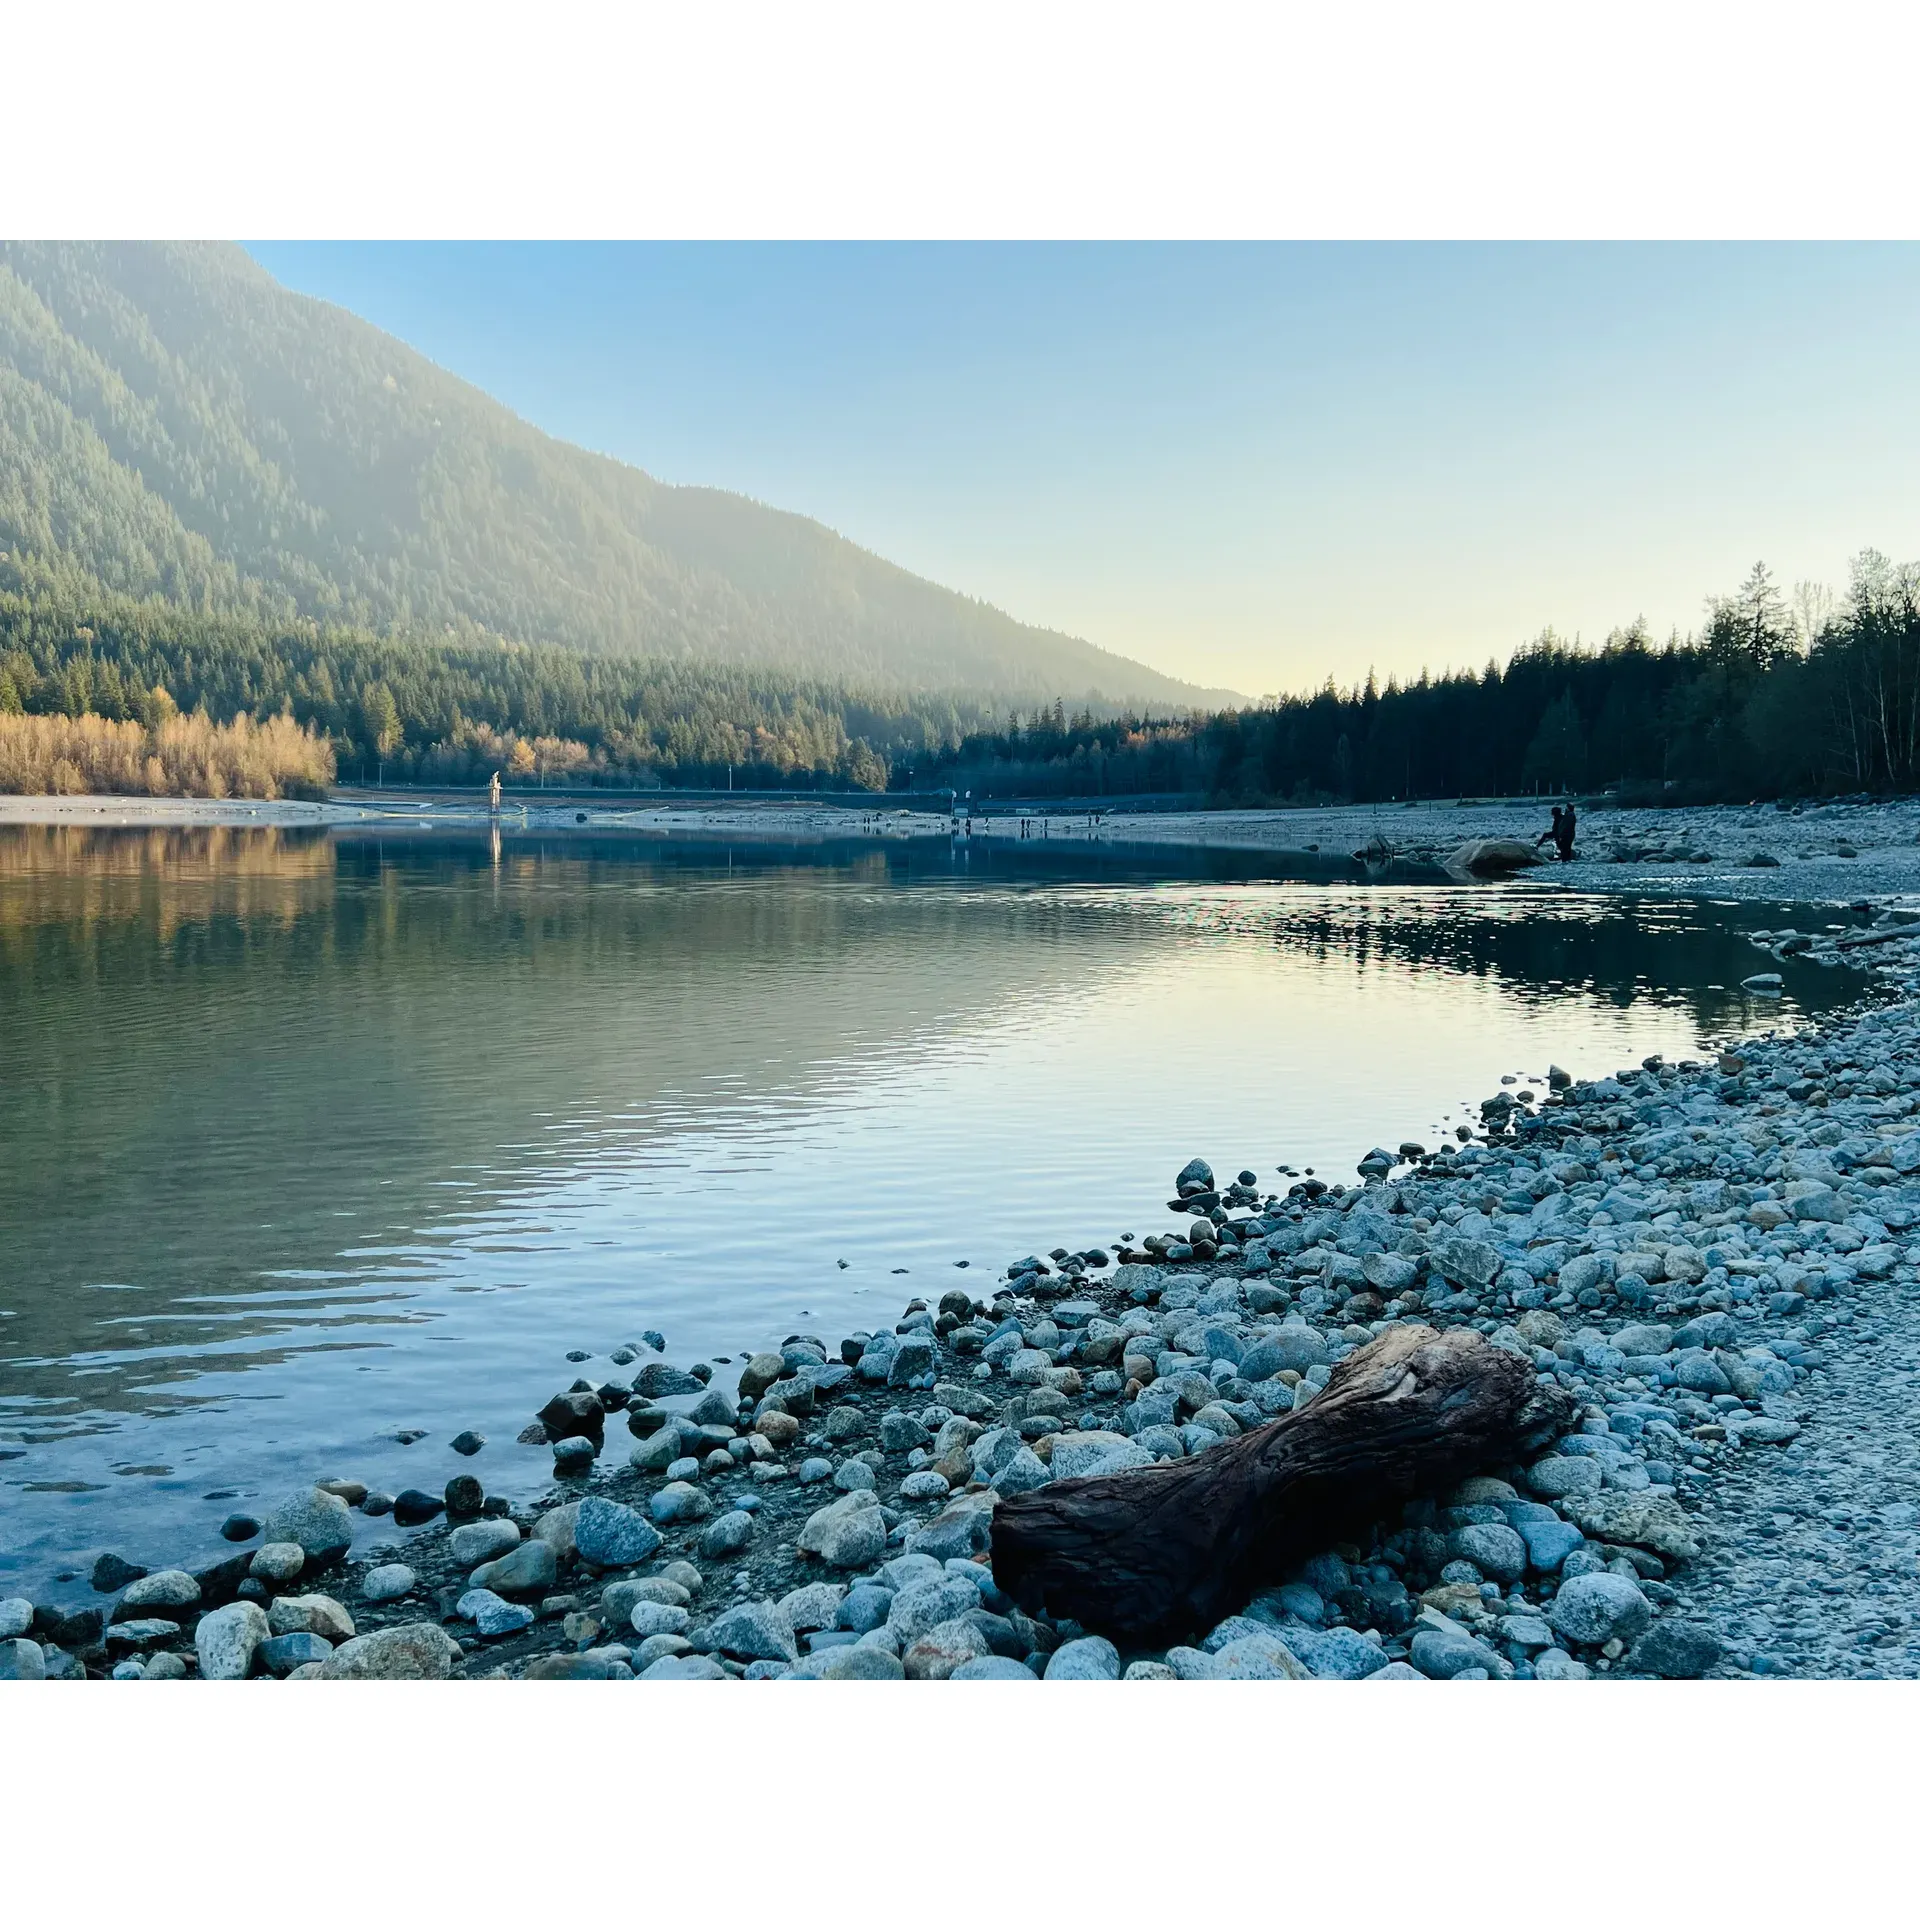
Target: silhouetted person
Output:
[(493, 792), (1561, 832)]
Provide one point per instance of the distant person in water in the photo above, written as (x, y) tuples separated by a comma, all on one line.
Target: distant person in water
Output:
[(1561, 832), (493, 793)]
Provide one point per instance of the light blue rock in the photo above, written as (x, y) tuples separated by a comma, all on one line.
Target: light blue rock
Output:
[(1441, 1656), (732, 1533), (387, 1582), (492, 1617), (1091, 1658), (1549, 1542), (926, 1603), (1597, 1607), (992, 1666), (1260, 1656), (865, 1607), (1337, 1654), (1091, 1455), (286, 1651), (1497, 1550), (679, 1503)]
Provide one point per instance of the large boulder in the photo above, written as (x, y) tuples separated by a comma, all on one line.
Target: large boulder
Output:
[(1655, 1521), (569, 1416), (1293, 1347), (531, 1568), (310, 1613), (1091, 1658), (755, 1630), (1674, 1650), (1086, 1456), (659, 1381), (483, 1540), (1594, 1608), (227, 1639), (416, 1652), (850, 1532), (607, 1534), (939, 1651), (320, 1524)]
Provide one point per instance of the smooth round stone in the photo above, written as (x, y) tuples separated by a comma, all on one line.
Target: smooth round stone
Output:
[(482, 1540), (170, 1592), (659, 1646), (728, 1535), (573, 1455), (468, 1442), (239, 1526), (813, 1471), (650, 1617), (387, 1582), (1597, 1607), (22, 1659), (278, 1563), (996, 1666), (1091, 1658)]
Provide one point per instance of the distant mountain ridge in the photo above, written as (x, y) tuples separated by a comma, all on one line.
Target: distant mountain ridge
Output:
[(176, 424)]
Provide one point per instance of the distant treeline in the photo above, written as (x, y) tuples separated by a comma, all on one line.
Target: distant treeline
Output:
[(454, 712), (1766, 699), (163, 753)]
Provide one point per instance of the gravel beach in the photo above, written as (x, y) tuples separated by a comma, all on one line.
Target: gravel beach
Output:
[(1715, 1259)]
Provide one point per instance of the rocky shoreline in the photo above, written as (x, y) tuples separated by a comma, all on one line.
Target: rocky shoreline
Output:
[(1692, 1250)]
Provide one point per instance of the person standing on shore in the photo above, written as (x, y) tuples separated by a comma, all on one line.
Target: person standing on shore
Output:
[(1561, 832), (1563, 839)]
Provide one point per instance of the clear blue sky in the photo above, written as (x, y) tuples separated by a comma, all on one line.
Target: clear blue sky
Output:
[(1251, 466)]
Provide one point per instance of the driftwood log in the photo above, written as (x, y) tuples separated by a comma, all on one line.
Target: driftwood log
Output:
[(1152, 1554)]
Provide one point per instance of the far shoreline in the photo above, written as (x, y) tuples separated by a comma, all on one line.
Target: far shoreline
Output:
[(1835, 851)]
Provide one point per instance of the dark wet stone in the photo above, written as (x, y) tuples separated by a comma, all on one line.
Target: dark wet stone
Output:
[(468, 1442), (220, 1584), (111, 1573), (464, 1497), (255, 1589), (412, 1508), (74, 1627), (658, 1380), (375, 1505), (239, 1526), (1674, 1650), (569, 1414)]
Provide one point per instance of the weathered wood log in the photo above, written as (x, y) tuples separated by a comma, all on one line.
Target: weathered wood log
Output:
[(1149, 1555)]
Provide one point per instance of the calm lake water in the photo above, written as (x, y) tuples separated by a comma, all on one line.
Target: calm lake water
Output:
[(307, 1138)]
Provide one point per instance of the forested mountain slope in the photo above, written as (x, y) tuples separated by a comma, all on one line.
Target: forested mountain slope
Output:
[(174, 423)]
